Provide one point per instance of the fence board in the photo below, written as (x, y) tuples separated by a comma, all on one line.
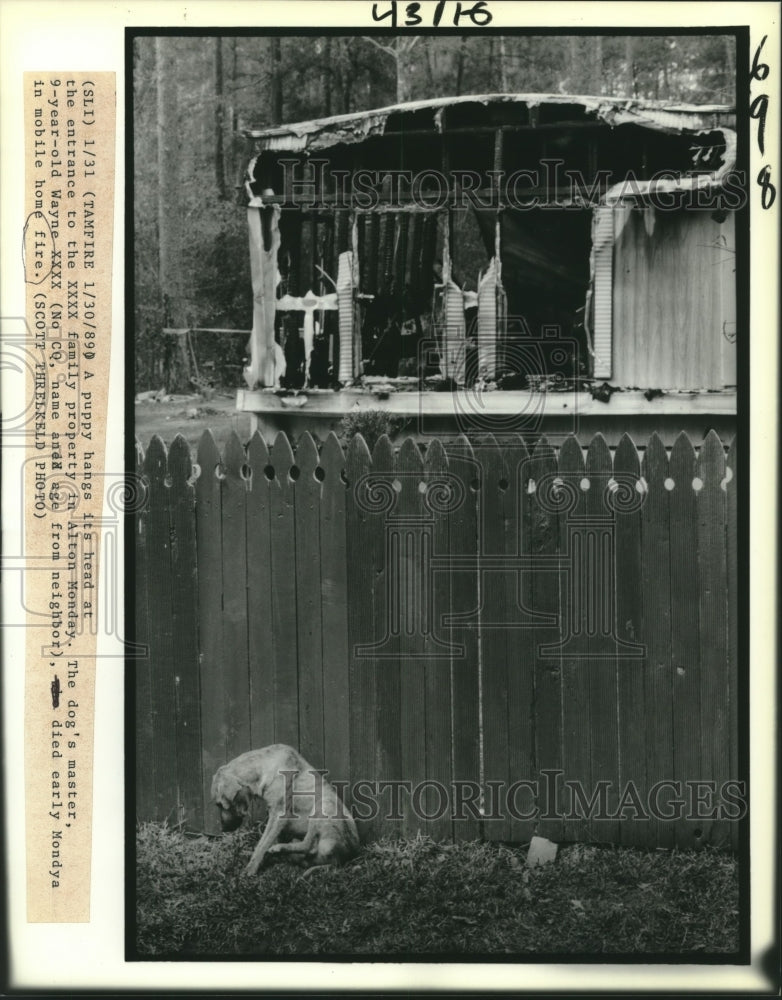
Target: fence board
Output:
[(308, 614), (415, 614), (235, 671), (731, 501), (437, 668), (184, 622), (685, 639), (364, 557), (602, 664), (520, 646), (210, 618), (334, 613), (160, 635), (465, 669), (542, 538), (260, 631), (145, 756), (385, 624), (655, 552), (631, 711), (496, 606), (286, 673), (574, 593), (712, 572)]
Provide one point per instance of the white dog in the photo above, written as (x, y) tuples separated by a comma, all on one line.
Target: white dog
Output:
[(307, 819)]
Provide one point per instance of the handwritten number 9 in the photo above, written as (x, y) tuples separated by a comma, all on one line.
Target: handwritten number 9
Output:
[(758, 110)]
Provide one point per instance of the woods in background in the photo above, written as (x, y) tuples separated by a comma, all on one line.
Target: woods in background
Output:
[(194, 95)]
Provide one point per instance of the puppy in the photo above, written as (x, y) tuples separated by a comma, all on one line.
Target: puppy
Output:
[(307, 820)]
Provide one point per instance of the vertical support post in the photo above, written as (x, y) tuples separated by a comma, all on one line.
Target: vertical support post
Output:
[(345, 300), (491, 297), (602, 262), (356, 264), (263, 268)]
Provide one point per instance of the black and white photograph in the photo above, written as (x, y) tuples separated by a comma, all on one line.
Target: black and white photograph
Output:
[(440, 405), (390, 409)]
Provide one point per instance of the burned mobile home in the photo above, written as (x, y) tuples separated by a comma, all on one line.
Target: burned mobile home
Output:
[(518, 262)]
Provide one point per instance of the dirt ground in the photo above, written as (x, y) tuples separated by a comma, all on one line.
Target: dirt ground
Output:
[(190, 416)]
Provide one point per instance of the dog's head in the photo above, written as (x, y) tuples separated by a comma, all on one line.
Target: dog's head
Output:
[(231, 797)]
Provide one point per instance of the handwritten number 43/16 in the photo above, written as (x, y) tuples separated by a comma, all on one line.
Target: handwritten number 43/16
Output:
[(476, 13), (759, 110)]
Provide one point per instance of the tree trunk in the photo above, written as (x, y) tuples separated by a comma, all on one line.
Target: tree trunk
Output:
[(460, 65), (344, 75), (229, 114), (402, 77), (219, 155), (730, 70), (596, 67), (574, 66), (630, 66), (275, 81), (168, 170), (327, 77), (401, 82), (503, 66), (428, 65)]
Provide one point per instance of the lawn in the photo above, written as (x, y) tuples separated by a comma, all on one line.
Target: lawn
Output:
[(190, 416), (417, 898)]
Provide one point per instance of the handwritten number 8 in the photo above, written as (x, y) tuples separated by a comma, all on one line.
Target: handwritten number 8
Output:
[(768, 192)]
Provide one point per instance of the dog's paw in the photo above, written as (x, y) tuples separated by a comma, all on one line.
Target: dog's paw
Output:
[(275, 849), (250, 871)]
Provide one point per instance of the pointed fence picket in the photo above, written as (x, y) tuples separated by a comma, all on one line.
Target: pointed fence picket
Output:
[(628, 602), (473, 640), (542, 528), (142, 668), (184, 609)]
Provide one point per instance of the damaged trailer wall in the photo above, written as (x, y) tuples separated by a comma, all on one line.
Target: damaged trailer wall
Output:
[(674, 299), (663, 296), (641, 298)]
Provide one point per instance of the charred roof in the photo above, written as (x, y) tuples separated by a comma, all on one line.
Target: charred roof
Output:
[(476, 111)]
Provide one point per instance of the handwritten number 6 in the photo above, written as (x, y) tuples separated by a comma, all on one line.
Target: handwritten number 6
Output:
[(759, 70)]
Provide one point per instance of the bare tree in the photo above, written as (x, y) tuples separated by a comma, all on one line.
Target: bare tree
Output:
[(574, 66), (275, 80), (168, 172), (219, 151), (326, 76), (399, 50), (503, 65), (460, 65), (630, 84), (596, 65)]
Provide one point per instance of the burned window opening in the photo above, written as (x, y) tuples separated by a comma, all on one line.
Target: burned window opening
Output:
[(400, 304)]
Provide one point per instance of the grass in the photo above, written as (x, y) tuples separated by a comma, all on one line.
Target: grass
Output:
[(417, 898)]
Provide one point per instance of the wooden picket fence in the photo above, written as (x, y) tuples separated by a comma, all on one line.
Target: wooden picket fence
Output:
[(479, 613)]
